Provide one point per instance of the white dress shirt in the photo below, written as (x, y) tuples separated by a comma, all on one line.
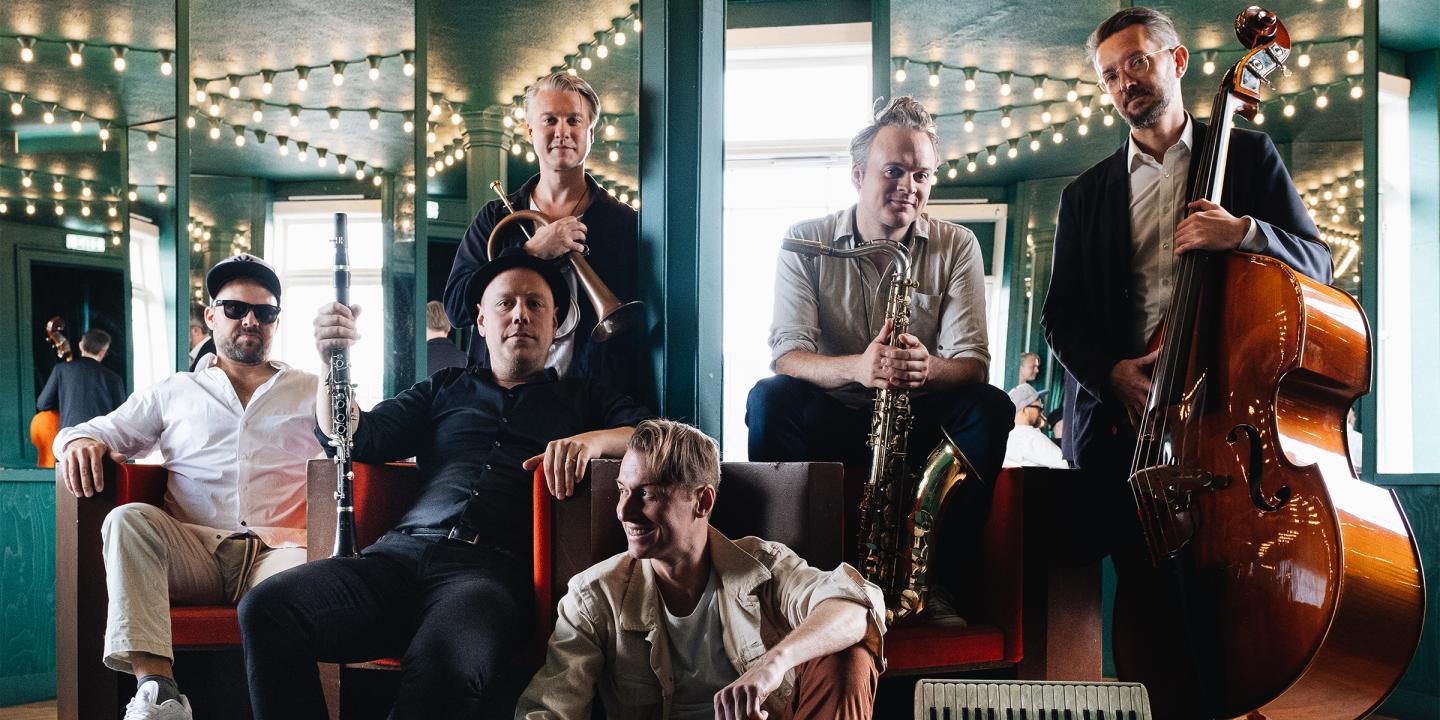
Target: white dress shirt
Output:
[(233, 469), (1157, 205), (1028, 447)]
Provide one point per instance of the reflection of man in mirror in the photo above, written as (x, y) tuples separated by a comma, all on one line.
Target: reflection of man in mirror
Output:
[(201, 344), (1029, 367), (830, 339), (1123, 223), (83, 389), (561, 111)]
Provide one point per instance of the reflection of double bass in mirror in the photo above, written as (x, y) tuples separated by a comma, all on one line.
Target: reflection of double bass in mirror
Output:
[(46, 423), (1281, 586)]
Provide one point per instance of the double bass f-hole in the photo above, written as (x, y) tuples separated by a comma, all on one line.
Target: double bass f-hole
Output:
[(1254, 470)]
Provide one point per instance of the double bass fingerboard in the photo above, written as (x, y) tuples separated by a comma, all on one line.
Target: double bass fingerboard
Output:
[(1029, 700)]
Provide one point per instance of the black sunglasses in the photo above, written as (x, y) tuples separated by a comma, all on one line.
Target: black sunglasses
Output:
[(238, 309)]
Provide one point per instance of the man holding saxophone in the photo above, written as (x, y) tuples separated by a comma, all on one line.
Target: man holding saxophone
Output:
[(561, 112), (830, 338)]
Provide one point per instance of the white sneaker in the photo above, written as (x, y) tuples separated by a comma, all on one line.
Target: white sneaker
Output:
[(144, 707)]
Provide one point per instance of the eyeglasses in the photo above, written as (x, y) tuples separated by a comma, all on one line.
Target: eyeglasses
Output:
[(238, 309), (1136, 66)]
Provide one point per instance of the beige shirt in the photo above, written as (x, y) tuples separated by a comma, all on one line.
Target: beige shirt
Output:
[(610, 630), (1157, 205), (233, 469), (835, 306)]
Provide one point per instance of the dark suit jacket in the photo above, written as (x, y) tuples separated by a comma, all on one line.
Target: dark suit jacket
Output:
[(613, 236), (81, 390), (1088, 318)]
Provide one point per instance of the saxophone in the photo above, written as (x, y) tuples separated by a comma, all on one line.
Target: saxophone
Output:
[(900, 511)]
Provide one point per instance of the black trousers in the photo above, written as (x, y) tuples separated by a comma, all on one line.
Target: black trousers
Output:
[(453, 613), (791, 420)]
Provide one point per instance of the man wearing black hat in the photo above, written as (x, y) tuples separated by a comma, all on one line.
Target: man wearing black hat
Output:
[(235, 436), (449, 589)]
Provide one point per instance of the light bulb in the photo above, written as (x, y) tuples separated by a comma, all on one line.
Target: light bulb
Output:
[(201, 93), (1005, 118), (601, 52), (119, 62), (455, 117), (132, 194), (75, 124), (59, 209), (951, 172), (374, 118), (57, 186), (515, 148), (1359, 183), (530, 156), (1304, 59), (338, 68), (1352, 55), (1085, 111), (167, 63), (257, 111), (990, 159), (161, 195), (302, 82), (1289, 109), (1012, 152), (409, 123), (29, 208), (1322, 101), (374, 71), (239, 136), (76, 59), (430, 134), (214, 108), (408, 58), (1046, 116), (1034, 143), (458, 153), (620, 38), (609, 130), (26, 179), (1357, 91), (294, 115), (614, 155), (267, 82), (15, 107), (48, 117), (27, 49), (85, 191), (283, 145), (377, 181), (934, 78), (1039, 92), (969, 122), (1072, 91), (970, 79), (111, 210), (214, 131), (410, 188), (234, 89), (585, 63), (507, 122), (104, 132), (1259, 118), (4, 208), (970, 166), (1058, 137), (1005, 88)]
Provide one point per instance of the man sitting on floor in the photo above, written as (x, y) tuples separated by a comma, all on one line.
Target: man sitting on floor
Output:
[(695, 625), (235, 436)]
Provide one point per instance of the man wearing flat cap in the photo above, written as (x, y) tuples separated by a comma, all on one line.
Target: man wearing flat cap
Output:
[(449, 589), (235, 435)]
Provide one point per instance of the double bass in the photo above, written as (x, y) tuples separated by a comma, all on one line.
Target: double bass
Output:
[(1273, 583), (46, 423)]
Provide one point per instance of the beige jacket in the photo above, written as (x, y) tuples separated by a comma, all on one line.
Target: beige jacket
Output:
[(610, 634)]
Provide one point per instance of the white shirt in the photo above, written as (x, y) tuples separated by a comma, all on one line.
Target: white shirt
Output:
[(697, 657), (232, 469), (1028, 447), (1157, 205)]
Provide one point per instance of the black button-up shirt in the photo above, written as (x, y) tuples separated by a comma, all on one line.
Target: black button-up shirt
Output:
[(469, 437)]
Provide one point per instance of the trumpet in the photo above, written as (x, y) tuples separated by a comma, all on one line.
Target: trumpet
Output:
[(615, 316)]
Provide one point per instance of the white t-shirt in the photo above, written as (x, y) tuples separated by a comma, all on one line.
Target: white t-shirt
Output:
[(1028, 447), (697, 657)]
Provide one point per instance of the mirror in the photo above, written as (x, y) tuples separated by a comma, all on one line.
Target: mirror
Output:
[(1020, 115), (287, 127), (478, 73), (73, 78)]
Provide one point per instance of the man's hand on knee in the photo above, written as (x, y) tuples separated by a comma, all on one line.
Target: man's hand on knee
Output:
[(81, 467), (742, 699)]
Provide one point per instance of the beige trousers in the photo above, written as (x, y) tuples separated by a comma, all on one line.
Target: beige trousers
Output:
[(152, 560)]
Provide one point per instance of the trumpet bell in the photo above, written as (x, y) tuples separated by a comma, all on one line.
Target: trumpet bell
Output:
[(618, 320)]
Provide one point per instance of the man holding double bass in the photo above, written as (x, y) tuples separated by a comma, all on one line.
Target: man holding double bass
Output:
[(1228, 537), (561, 111)]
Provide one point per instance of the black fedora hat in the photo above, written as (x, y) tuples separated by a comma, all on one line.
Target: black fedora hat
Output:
[(559, 289)]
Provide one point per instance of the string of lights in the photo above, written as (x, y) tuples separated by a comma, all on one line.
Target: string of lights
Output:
[(241, 134), (75, 49), (50, 114)]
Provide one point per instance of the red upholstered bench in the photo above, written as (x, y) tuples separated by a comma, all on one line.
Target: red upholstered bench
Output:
[(85, 688)]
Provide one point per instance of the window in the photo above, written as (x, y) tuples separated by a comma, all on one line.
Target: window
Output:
[(793, 98), (304, 257), (152, 337), (1406, 336)]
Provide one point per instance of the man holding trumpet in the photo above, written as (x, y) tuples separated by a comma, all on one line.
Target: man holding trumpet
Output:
[(561, 112)]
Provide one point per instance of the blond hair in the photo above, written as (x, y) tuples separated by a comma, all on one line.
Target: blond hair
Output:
[(676, 454), (565, 82), (903, 112), (435, 317)]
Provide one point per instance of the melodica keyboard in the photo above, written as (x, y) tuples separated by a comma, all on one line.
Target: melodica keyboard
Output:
[(1029, 700)]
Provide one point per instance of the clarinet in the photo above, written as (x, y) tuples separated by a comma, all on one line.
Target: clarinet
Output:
[(341, 397)]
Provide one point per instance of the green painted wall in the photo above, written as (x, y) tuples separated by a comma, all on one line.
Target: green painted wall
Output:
[(27, 585)]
